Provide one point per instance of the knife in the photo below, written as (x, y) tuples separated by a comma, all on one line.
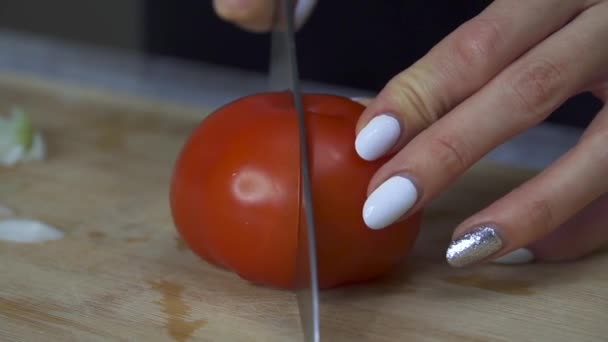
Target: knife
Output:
[(284, 76)]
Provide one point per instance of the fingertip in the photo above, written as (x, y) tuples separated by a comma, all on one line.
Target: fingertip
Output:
[(231, 9), (256, 15), (252, 15), (474, 246), (390, 201), (377, 137)]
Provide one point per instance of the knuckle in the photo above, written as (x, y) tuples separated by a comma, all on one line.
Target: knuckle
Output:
[(534, 86), (407, 94), (451, 152), (477, 40)]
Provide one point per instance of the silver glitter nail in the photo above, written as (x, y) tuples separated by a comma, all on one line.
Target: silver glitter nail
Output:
[(475, 245)]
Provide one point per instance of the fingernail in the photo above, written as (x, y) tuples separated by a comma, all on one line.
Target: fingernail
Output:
[(518, 256), (389, 202), (473, 246), (362, 100), (377, 137)]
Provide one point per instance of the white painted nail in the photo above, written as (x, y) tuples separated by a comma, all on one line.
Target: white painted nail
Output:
[(518, 256), (377, 137), (389, 202)]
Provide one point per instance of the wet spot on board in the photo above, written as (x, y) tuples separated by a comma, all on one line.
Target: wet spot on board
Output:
[(505, 286), (95, 235), (179, 327), (137, 239), (111, 140)]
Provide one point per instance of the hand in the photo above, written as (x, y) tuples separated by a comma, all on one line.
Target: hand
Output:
[(256, 15), (500, 73)]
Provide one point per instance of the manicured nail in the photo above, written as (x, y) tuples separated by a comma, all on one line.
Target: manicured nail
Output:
[(473, 246), (516, 257), (389, 202), (377, 137)]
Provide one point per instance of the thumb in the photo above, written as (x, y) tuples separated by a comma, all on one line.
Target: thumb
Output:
[(251, 15), (257, 15)]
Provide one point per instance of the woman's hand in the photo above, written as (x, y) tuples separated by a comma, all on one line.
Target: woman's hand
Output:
[(500, 73), (256, 15)]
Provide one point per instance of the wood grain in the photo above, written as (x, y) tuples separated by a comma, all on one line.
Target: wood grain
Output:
[(121, 274)]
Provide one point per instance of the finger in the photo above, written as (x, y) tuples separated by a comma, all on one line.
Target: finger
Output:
[(541, 205), (257, 15), (251, 15), (455, 69), (580, 236), (519, 97)]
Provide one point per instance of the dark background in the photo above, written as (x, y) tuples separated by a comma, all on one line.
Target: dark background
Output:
[(357, 43)]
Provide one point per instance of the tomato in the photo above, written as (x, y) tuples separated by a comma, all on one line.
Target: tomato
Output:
[(236, 200)]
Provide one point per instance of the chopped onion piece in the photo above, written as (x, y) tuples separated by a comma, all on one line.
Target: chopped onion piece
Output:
[(18, 140), (6, 212), (28, 231), (38, 149)]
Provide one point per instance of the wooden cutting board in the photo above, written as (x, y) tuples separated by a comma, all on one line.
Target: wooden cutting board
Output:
[(121, 274)]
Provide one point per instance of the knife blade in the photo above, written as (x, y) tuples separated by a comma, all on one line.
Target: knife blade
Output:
[(283, 75)]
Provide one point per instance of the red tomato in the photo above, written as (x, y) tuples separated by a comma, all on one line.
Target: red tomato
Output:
[(235, 195)]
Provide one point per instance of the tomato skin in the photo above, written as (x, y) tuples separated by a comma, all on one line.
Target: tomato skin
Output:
[(235, 196)]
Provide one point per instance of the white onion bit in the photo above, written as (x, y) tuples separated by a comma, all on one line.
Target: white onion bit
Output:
[(28, 231), (6, 212)]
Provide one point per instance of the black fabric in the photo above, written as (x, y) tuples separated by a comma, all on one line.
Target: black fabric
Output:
[(355, 43)]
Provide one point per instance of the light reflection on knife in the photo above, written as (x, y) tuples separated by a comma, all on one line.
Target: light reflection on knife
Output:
[(284, 76)]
